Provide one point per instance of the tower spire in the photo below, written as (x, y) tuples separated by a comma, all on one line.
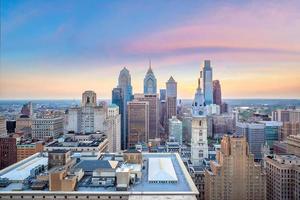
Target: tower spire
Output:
[(150, 63)]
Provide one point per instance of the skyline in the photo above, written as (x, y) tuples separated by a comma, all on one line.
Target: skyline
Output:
[(80, 46)]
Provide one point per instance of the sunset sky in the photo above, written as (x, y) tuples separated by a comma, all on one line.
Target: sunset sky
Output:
[(57, 49)]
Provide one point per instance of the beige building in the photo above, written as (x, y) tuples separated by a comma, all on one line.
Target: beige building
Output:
[(23, 124), (2, 126), (293, 145), (234, 174), (283, 177), (289, 128), (25, 150), (47, 127), (138, 122), (113, 128)]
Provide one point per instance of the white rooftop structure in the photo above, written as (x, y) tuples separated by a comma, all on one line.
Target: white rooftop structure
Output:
[(161, 170), (21, 170)]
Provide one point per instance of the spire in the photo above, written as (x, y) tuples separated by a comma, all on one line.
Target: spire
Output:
[(150, 69), (150, 63), (199, 86)]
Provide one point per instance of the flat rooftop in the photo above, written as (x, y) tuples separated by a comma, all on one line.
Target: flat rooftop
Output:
[(184, 184)]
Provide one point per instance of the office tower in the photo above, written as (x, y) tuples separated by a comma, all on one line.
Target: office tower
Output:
[(281, 115), (234, 174), (171, 95), (153, 101), (293, 145), (272, 131), (138, 122), (207, 82), (25, 149), (289, 128), (224, 108), (282, 177), (113, 124), (8, 151), (3, 130), (89, 118), (175, 129), (217, 94), (124, 82), (44, 128), (200, 128), (162, 94), (150, 85)]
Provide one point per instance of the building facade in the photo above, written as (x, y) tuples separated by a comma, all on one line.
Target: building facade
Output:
[(113, 124), (8, 152), (153, 102), (3, 131), (138, 122), (171, 95), (283, 177), (234, 174), (150, 83), (208, 82), (47, 127), (217, 93), (175, 129)]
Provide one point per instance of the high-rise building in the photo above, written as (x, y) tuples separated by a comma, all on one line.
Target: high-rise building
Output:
[(283, 177), (255, 134), (175, 129), (113, 124), (153, 101), (289, 128), (171, 95), (44, 128), (27, 109), (124, 82), (217, 94), (150, 85), (3, 130), (89, 118), (8, 151), (272, 131), (281, 115), (138, 122), (234, 174), (162, 94), (207, 82), (187, 128)]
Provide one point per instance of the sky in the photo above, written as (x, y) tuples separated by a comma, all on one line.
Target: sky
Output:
[(58, 49)]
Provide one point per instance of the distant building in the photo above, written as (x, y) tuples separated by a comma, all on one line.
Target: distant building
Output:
[(217, 94), (162, 94), (138, 122), (24, 150), (150, 85), (153, 101), (222, 124), (224, 107), (23, 124), (124, 83), (293, 145), (46, 128), (8, 152), (208, 82), (234, 175), (88, 118), (283, 177), (27, 109), (289, 128), (171, 93), (113, 124), (272, 131), (255, 134), (175, 129), (187, 129), (3, 130)]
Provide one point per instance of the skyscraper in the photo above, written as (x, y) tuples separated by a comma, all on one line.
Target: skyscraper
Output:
[(217, 94), (113, 126), (162, 94), (171, 95), (150, 85), (138, 122), (234, 175), (207, 82), (124, 82), (153, 101)]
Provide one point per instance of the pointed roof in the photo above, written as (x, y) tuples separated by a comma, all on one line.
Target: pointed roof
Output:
[(125, 70), (171, 79)]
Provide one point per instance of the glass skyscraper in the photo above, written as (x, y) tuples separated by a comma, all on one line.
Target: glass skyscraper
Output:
[(207, 83)]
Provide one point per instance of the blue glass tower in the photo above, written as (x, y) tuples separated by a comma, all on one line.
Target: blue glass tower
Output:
[(150, 85), (208, 83)]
